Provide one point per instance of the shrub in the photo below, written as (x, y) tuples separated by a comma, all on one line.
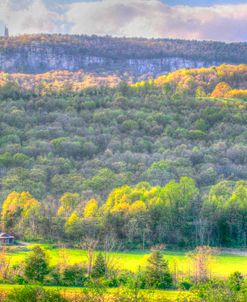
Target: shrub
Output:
[(34, 294), (73, 276), (236, 281)]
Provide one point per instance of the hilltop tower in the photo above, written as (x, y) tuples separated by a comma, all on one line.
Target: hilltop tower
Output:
[(6, 32)]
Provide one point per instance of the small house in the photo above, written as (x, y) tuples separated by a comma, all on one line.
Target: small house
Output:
[(6, 239)]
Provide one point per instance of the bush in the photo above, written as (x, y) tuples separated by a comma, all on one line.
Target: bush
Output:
[(236, 281), (34, 294), (73, 275), (185, 284)]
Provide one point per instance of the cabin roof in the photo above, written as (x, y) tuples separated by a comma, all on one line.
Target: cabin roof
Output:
[(6, 236)]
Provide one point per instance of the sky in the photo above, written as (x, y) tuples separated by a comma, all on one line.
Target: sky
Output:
[(222, 20)]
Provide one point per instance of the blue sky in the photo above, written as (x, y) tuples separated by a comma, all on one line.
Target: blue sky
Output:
[(223, 20)]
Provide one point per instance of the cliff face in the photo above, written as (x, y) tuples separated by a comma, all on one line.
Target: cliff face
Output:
[(40, 58)]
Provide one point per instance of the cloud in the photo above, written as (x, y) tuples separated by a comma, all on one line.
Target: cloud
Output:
[(139, 18), (28, 16), (153, 18)]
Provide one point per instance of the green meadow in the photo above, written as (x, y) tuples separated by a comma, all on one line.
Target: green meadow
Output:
[(72, 292), (222, 265)]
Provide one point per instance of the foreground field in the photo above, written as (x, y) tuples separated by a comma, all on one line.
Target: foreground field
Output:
[(72, 292), (223, 264)]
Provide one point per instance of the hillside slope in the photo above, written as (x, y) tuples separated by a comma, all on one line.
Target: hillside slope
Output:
[(137, 58), (101, 138)]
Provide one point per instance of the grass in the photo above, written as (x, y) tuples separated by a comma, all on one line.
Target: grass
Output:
[(74, 291), (223, 265)]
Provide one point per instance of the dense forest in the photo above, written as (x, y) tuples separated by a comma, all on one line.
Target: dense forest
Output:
[(109, 158)]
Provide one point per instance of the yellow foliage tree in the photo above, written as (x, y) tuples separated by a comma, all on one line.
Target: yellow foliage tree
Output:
[(91, 208), (221, 90), (17, 206), (137, 207), (71, 223), (68, 203)]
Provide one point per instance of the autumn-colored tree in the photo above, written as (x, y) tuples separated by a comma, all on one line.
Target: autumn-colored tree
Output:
[(72, 226), (221, 90), (17, 208), (90, 209), (68, 203)]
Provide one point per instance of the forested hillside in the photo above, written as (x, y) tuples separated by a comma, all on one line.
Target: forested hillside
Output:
[(101, 138), (103, 158), (89, 143), (227, 81), (126, 57)]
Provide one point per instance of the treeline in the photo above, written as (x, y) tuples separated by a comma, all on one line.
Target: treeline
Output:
[(136, 217), (54, 82), (225, 81), (130, 48)]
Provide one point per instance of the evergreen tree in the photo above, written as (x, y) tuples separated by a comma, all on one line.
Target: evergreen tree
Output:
[(157, 272), (99, 268)]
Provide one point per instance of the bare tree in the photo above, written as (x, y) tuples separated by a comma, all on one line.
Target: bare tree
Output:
[(5, 262), (89, 244), (201, 261), (63, 257), (111, 245)]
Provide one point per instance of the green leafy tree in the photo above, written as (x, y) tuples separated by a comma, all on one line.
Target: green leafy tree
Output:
[(36, 265)]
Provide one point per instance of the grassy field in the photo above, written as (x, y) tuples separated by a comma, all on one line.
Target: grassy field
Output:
[(70, 292), (222, 266)]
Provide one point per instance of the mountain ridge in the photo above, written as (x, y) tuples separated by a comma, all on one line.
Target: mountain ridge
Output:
[(127, 57)]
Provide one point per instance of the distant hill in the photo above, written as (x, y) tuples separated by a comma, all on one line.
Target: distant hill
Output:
[(126, 57)]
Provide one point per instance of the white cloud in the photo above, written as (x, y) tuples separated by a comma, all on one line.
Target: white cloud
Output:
[(28, 16), (152, 18), (141, 18)]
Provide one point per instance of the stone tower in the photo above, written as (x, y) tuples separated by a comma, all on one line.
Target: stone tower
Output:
[(6, 32)]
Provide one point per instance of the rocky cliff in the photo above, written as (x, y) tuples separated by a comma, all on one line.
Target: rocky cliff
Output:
[(136, 58), (43, 60)]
